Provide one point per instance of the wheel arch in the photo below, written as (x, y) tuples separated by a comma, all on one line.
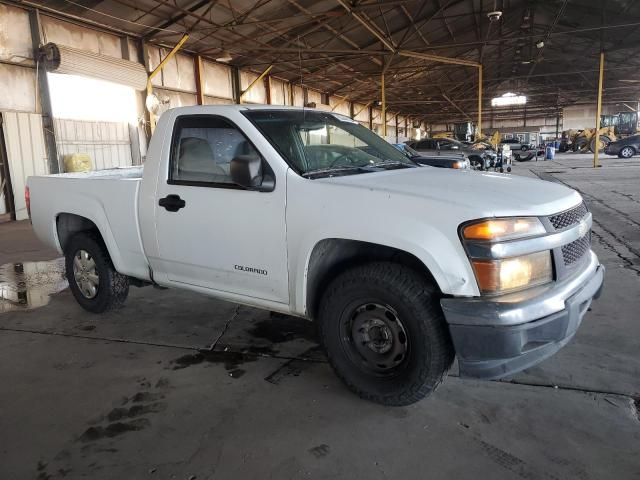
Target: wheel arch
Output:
[(69, 224), (332, 256)]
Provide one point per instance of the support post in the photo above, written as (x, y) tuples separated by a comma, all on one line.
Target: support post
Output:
[(44, 94), (143, 50), (479, 127), (384, 107), (340, 102), (158, 69), (199, 90), (267, 88), (356, 113), (599, 111), (235, 78), (256, 81), (397, 128)]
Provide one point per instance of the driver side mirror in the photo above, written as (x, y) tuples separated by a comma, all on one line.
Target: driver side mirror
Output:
[(247, 171)]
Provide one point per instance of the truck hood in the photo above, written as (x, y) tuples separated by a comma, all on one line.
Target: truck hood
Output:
[(485, 194)]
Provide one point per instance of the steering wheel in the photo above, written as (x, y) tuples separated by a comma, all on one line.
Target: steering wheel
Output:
[(344, 156)]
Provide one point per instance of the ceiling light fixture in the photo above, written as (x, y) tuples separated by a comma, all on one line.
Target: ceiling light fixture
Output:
[(224, 56), (494, 16), (508, 99)]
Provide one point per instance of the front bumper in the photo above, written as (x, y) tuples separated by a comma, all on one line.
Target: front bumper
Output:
[(612, 150), (497, 337)]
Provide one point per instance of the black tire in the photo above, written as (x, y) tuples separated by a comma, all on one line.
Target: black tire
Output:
[(627, 152), (427, 351), (605, 140), (113, 287)]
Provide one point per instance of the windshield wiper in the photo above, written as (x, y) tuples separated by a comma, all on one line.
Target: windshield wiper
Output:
[(322, 171), (368, 168), (392, 163)]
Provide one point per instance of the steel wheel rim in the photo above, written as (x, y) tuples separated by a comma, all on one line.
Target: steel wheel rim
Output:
[(375, 339), (85, 274), (626, 152)]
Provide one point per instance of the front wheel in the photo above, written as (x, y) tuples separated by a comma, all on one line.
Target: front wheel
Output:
[(384, 333), (626, 152), (93, 280), (602, 144), (524, 148)]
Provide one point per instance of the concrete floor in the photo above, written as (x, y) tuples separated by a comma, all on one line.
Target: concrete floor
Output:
[(127, 395)]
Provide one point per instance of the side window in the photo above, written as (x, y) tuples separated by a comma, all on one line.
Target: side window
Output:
[(203, 147)]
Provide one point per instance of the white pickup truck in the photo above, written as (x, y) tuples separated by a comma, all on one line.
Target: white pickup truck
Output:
[(307, 213)]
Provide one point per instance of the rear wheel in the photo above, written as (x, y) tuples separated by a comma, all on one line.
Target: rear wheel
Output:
[(93, 280), (580, 144), (384, 333), (627, 152), (604, 141)]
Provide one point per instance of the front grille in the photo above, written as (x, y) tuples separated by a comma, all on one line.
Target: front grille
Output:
[(574, 251), (568, 218)]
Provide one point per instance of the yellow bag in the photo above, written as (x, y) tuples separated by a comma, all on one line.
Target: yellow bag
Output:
[(77, 162)]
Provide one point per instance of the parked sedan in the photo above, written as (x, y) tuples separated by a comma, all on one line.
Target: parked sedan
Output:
[(482, 159), (625, 148), (441, 161)]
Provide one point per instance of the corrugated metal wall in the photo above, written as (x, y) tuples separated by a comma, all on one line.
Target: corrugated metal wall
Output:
[(107, 143), (26, 153)]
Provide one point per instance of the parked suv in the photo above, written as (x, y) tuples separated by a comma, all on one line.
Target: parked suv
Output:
[(516, 144)]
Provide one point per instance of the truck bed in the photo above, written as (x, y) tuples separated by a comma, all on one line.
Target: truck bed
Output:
[(108, 198), (108, 174)]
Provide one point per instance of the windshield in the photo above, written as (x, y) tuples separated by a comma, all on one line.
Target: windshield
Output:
[(313, 141), (449, 143), (407, 150)]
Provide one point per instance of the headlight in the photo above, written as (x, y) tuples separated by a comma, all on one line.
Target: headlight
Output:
[(498, 229), (510, 274), (458, 164), (502, 275)]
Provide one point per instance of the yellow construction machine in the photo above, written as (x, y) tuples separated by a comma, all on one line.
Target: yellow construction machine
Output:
[(442, 135), (613, 127), (585, 140)]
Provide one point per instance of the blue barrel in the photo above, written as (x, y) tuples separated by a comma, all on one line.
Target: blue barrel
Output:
[(550, 153)]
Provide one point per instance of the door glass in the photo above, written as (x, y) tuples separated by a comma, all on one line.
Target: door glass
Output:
[(203, 148)]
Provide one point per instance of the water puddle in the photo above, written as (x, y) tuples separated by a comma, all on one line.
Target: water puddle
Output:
[(29, 285)]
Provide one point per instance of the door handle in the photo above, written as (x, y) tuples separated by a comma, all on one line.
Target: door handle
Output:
[(172, 203)]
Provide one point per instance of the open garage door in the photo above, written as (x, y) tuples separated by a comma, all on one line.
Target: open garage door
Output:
[(73, 61), (108, 144), (94, 106)]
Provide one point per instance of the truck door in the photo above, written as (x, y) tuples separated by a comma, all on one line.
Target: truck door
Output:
[(212, 233)]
